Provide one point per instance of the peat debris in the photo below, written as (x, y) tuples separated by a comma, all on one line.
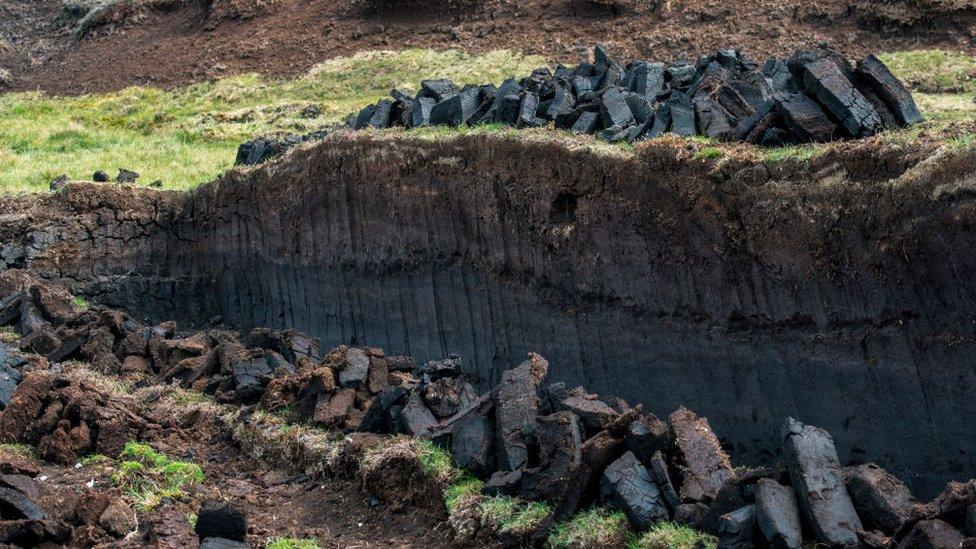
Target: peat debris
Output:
[(528, 438)]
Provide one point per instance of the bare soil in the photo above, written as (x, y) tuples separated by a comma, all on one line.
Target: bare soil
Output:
[(174, 47), (279, 503)]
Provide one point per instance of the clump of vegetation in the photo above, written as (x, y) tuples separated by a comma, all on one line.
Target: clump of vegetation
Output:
[(17, 449), (464, 487), (292, 543), (150, 477), (94, 459), (435, 460), (707, 153), (8, 334), (669, 535), (79, 303), (592, 528), (189, 135), (513, 516)]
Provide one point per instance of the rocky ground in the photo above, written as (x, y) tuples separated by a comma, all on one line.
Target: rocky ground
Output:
[(58, 47), (126, 433)]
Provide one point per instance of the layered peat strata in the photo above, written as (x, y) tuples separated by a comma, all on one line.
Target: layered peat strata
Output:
[(748, 291)]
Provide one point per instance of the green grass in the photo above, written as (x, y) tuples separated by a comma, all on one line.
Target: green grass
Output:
[(18, 449), (292, 543), (527, 518), (435, 460), (668, 535), (79, 303), (150, 477), (706, 153), (593, 528), (511, 515), (934, 71), (189, 135), (466, 486), (94, 459)]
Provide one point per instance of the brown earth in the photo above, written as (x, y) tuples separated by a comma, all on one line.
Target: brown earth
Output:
[(286, 37), (279, 502)]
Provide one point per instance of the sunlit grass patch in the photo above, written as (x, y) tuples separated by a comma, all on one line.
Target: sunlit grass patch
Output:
[(292, 543), (670, 535), (150, 477), (513, 516), (466, 486), (189, 135), (592, 528), (934, 71)]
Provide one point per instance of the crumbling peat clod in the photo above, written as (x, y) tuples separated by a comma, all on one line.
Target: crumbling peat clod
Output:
[(565, 447)]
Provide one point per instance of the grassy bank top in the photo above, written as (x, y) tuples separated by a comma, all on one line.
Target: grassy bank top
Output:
[(187, 136)]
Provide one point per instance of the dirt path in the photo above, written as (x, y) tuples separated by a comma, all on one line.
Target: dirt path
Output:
[(178, 47)]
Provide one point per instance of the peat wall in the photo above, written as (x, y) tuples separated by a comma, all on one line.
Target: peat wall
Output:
[(837, 290)]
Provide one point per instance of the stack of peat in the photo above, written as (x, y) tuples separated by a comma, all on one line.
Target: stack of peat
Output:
[(810, 97), (526, 437)]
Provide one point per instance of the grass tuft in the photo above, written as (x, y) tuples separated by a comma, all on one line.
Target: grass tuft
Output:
[(94, 459), (150, 477), (511, 515), (79, 303), (293, 543), (707, 153), (18, 449), (464, 487), (593, 528), (669, 535), (435, 460)]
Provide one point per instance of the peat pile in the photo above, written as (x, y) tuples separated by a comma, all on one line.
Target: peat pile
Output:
[(532, 439), (812, 96)]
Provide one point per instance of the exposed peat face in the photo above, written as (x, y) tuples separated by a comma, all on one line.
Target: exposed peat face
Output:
[(836, 290)]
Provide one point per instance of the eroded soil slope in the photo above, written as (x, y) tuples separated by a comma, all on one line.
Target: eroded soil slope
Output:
[(287, 37), (748, 290)]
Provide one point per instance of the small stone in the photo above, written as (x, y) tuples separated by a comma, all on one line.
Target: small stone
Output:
[(503, 483), (100, 177)]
